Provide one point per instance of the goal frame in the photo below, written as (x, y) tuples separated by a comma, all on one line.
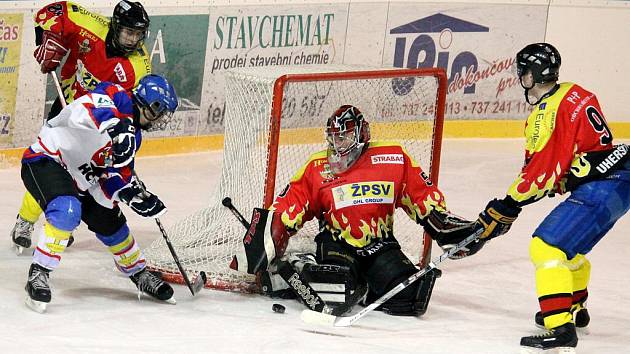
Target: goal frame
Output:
[(276, 115)]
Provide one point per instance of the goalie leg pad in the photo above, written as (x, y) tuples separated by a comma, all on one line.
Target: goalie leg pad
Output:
[(388, 270), (258, 246)]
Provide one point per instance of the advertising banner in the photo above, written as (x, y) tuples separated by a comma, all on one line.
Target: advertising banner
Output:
[(475, 45), (177, 47), (266, 36), (10, 45)]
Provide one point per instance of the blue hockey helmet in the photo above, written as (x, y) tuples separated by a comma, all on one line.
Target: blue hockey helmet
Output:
[(156, 96)]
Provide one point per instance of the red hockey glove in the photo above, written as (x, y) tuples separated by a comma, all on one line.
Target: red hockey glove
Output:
[(50, 52)]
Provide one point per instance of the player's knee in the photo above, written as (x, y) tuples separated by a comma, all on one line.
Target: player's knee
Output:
[(544, 255), (115, 238), (64, 212)]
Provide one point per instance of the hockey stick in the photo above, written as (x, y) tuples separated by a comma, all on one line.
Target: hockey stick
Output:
[(227, 202), (62, 100), (309, 316), (200, 281)]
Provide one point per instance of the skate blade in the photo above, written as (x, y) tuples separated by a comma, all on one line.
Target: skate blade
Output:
[(170, 301), (18, 250), (37, 306), (559, 350)]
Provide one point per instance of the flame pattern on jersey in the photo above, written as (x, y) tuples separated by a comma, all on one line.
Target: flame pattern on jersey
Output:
[(560, 129), (358, 206), (84, 34)]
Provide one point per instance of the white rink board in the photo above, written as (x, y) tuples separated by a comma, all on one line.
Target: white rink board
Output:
[(591, 35)]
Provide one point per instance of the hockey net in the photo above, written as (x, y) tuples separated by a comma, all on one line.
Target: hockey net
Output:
[(274, 120)]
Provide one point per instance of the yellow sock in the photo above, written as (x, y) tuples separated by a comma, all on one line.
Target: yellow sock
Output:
[(30, 209), (554, 282)]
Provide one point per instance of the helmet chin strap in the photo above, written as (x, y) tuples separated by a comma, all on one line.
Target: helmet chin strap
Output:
[(542, 97)]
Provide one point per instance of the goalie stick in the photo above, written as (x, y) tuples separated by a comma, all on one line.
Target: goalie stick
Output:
[(314, 317), (200, 281)]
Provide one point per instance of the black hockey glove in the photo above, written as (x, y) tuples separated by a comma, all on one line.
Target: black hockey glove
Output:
[(449, 229), (123, 137), (141, 201), (497, 218)]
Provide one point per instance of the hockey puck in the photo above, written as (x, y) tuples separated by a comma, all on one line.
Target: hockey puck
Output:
[(278, 308)]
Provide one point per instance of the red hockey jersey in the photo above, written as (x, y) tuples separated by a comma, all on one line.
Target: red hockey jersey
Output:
[(558, 131), (358, 205), (87, 64)]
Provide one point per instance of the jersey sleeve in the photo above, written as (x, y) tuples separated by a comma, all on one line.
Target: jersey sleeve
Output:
[(117, 179), (554, 140), (295, 205), (419, 195), (53, 17)]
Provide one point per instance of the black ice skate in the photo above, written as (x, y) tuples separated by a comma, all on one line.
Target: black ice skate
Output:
[(21, 234), (37, 288), (580, 317), (153, 286), (560, 340)]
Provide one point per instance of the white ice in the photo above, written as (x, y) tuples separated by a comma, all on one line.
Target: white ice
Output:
[(482, 304)]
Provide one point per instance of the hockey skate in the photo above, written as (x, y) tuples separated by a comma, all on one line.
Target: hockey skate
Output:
[(580, 317), (559, 340), (21, 234), (153, 286), (37, 288)]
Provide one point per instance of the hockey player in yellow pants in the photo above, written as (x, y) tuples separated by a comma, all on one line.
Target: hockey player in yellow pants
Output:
[(569, 148)]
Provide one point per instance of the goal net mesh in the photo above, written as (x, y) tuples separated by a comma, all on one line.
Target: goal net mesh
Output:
[(279, 114)]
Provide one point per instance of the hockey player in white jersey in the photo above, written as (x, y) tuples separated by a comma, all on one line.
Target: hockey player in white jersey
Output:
[(81, 166)]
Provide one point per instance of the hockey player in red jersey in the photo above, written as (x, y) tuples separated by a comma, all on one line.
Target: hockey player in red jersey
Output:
[(98, 49), (569, 148), (80, 167), (353, 189)]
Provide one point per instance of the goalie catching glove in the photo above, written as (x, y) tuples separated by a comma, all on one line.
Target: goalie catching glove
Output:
[(141, 201), (266, 239), (449, 229), (50, 52), (498, 217)]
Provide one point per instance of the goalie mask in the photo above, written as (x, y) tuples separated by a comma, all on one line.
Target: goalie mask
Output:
[(128, 27), (542, 60), (347, 134)]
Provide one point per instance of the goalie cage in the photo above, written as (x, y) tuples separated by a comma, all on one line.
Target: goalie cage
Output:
[(274, 120)]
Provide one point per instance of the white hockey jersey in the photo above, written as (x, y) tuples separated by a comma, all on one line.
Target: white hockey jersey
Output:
[(77, 139)]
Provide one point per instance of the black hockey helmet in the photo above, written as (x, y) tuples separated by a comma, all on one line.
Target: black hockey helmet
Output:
[(129, 16), (542, 59), (347, 133)]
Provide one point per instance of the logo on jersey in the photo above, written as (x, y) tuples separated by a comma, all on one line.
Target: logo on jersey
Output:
[(102, 101), (396, 159), (376, 192), (84, 47), (120, 73), (326, 173)]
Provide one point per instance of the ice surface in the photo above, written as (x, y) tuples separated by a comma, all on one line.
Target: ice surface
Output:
[(482, 304)]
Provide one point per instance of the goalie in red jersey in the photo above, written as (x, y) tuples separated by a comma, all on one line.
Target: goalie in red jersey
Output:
[(569, 148), (352, 188)]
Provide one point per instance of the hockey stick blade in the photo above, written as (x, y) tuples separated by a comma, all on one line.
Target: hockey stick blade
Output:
[(318, 318), (345, 321), (199, 282)]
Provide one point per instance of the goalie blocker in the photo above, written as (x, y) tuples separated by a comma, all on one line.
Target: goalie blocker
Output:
[(338, 276)]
